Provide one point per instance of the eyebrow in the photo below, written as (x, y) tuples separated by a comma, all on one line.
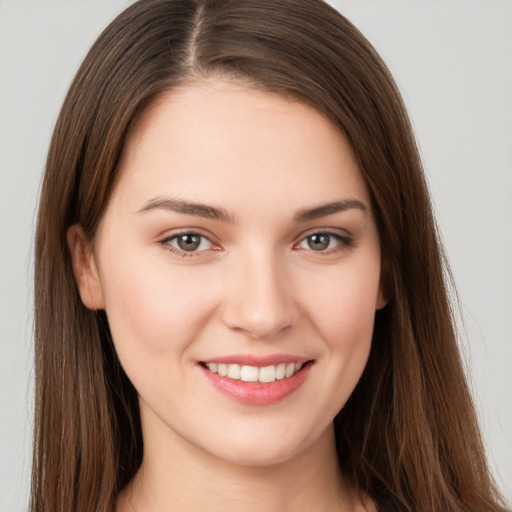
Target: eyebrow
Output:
[(329, 209), (187, 208), (217, 213)]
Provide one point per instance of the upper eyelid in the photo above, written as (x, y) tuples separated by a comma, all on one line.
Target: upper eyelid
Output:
[(166, 241), (166, 236), (344, 241), (324, 230), (336, 236), (336, 232)]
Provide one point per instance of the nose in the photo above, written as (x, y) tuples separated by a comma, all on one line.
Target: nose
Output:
[(259, 301)]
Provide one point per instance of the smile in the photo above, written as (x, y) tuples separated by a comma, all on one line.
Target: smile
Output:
[(245, 373), (263, 384)]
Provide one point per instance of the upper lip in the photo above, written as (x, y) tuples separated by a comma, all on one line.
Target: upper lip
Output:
[(257, 360)]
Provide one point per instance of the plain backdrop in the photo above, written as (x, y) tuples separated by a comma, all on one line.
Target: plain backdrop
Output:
[(452, 60)]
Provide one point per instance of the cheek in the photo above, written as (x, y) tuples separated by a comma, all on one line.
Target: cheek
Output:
[(157, 310), (343, 313), (343, 308)]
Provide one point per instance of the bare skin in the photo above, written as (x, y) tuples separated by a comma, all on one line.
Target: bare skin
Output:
[(240, 228), (217, 487)]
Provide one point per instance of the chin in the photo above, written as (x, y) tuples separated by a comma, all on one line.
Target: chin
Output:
[(261, 448), (259, 456)]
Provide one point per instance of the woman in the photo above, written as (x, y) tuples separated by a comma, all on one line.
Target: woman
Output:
[(239, 286)]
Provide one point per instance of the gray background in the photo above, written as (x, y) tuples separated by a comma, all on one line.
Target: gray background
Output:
[(453, 62)]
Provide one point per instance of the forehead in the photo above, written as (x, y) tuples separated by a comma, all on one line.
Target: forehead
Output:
[(223, 142)]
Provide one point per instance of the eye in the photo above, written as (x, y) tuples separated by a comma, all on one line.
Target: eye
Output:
[(187, 243), (324, 242)]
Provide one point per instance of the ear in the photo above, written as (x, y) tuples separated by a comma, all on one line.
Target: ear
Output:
[(84, 268), (384, 292), (382, 299)]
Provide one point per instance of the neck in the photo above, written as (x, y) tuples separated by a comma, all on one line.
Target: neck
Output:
[(179, 476)]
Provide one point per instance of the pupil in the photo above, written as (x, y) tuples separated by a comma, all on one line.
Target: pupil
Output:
[(318, 242), (189, 242)]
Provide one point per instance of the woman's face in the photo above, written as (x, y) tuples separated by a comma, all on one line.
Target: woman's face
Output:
[(238, 263)]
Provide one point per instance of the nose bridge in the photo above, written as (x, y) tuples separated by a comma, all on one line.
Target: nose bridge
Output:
[(260, 300)]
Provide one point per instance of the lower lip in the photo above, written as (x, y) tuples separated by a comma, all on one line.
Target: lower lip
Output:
[(257, 393)]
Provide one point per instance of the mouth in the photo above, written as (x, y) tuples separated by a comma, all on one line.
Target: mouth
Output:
[(257, 384), (262, 374)]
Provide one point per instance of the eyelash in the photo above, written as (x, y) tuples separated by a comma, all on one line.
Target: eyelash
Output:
[(344, 242), (166, 242)]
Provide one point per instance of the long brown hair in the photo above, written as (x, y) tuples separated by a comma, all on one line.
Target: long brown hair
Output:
[(408, 435)]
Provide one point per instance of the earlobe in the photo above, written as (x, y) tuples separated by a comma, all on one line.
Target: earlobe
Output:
[(382, 299), (84, 268), (383, 294)]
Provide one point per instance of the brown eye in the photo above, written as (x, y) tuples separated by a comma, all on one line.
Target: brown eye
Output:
[(325, 242), (318, 241), (188, 242)]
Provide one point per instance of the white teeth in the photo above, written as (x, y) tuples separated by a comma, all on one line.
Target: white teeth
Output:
[(289, 370), (249, 374), (234, 371), (263, 374), (212, 367), (281, 371), (267, 374)]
